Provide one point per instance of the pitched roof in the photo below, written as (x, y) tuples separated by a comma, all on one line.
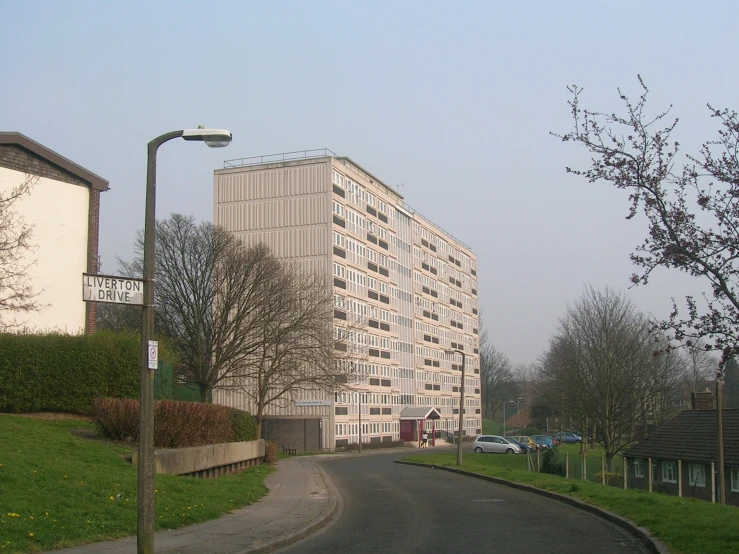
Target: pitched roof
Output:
[(692, 435), (49, 155), (423, 412)]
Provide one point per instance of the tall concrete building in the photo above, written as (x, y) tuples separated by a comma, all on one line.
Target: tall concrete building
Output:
[(410, 285)]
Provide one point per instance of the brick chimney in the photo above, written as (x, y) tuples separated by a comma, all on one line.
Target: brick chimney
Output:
[(702, 400)]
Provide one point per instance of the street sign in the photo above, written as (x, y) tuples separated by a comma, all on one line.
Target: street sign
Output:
[(153, 354), (115, 290), (312, 403)]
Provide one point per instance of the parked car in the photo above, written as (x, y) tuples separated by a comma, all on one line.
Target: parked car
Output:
[(567, 437), (544, 442), (528, 441), (525, 448), (494, 443)]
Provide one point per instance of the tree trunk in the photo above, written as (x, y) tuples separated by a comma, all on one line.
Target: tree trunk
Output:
[(206, 393), (609, 462), (259, 416)]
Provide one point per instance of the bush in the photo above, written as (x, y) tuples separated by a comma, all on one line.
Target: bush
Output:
[(176, 424), (244, 426), (116, 418), (612, 478), (550, 462), (270, 452), (180, 424), (63, 373)]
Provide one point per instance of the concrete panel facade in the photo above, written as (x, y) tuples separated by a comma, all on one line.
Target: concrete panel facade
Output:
[(411, 286)]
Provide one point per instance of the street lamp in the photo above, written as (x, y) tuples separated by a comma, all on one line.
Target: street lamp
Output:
[(518, 405), (461, 407), (360, 420), (504, 419), (214, 138)]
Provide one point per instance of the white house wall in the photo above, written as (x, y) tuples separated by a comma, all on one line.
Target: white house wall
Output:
[(58, 214)]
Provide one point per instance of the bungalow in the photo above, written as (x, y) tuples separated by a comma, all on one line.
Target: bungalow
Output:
[(62, 209), (683, 455)]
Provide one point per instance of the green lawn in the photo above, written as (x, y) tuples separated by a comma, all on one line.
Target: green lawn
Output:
[(59, 490), (686, 525), (490, 427)]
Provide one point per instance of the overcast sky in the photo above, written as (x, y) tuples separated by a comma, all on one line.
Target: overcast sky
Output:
[(452, 100)]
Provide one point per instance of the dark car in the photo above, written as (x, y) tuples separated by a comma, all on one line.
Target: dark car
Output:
[(525, 448)]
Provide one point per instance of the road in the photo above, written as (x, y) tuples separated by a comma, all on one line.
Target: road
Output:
[(391, 508)]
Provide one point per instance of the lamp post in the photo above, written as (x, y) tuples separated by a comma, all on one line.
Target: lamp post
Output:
[(145, 524), (518, 405), (504, 419), (360, 421), (461, 407)]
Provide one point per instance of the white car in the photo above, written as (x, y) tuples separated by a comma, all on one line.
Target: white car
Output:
[(494, 443)]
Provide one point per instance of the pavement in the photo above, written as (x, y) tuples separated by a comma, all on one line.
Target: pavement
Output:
[(301, 500)]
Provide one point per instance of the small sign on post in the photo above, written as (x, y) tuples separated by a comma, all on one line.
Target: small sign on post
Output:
[(153, 354)]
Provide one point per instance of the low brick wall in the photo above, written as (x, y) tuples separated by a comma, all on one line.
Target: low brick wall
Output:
[(212, 460)]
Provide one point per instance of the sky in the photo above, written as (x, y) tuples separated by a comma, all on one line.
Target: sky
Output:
[(452, 102)]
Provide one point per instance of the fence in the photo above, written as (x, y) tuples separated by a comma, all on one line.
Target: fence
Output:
[(166, 388), (589, 467)]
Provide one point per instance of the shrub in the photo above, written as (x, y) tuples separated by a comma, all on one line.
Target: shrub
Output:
[(176, 424), (180, 424), (270, 452), (612, 478), (550, 462), (244, 426), (116, 418)]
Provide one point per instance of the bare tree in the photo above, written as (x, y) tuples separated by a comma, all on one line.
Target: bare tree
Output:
[(209, 292), (117, 317), (16, 291), (700, 365), (691, 208), (496, 377), (299, 347), (603, 368)]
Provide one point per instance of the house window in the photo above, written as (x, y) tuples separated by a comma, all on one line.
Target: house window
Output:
[(734, 479), (638, 469), (697, 475), (669, 473)]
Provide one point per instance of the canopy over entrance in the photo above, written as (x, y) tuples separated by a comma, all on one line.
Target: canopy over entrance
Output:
[(419, 413), (412, 423)]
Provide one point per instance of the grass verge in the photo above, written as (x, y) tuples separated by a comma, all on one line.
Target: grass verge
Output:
[(59, 490), (685, 525), (490, 427)]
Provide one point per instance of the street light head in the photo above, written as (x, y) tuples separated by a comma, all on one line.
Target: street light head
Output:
[(215, 138)]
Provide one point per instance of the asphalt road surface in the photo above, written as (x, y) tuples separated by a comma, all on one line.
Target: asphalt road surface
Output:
[(391, 507)]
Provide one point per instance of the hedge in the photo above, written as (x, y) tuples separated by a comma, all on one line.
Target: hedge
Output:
[(176, 424), (63, 373)]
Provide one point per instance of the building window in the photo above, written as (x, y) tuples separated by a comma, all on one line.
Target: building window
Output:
[(697, 475), (638, 469), (734, 479), (669, 473)]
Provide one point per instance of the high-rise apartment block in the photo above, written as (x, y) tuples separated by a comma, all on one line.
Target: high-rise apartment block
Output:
[(411, 285)]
